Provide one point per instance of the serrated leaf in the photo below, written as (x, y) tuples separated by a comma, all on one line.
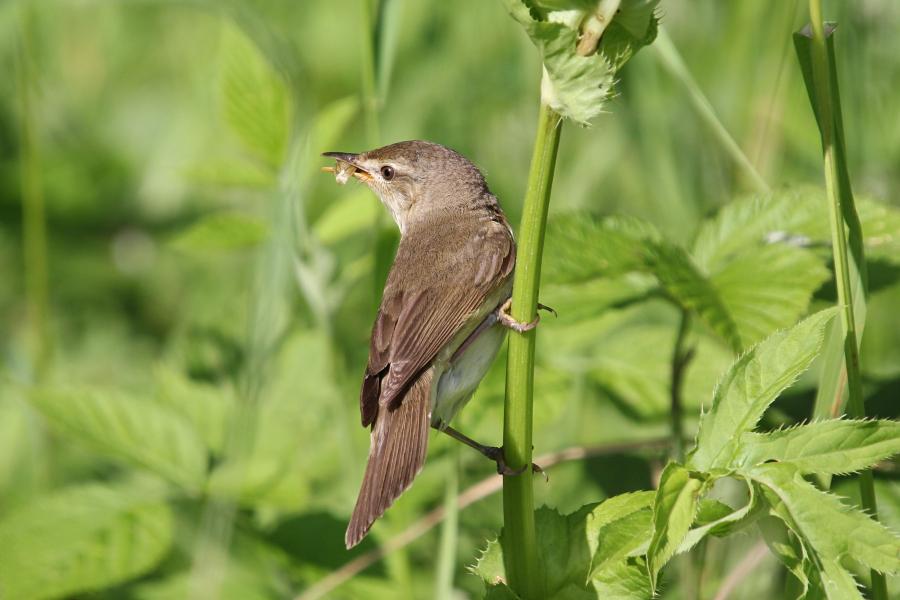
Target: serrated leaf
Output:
[(137, 431), (220, 232), (725, 293), (622, 245), (614, 244), (255, 99), (833, 447), (751, 384), (577, 86), (673, 513), (82, 539), (826, 526), (768, 288), (624, 581), (616, 527)]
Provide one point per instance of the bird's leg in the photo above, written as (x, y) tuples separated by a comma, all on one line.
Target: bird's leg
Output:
[(504, 317), (494, 453)]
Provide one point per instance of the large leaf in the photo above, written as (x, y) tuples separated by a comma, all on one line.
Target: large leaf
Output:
[(725, 290), (767, 288), (256, 103), (140, 432), (577, 86), (82, 539), (751, 385), (828, 527), (833, 447), (673, 513)]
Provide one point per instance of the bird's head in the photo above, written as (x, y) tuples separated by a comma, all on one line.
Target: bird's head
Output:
[(415, 180)]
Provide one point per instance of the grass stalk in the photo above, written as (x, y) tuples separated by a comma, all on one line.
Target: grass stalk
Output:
[(839, 203), (34, 225), (446, 563), (681, 357), (673, 63), (520, 546)]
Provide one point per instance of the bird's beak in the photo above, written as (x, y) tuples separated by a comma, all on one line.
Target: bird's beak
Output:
[(347, 164)]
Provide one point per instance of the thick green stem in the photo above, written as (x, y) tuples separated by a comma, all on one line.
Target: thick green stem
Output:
[(827, 123), (520, 544)]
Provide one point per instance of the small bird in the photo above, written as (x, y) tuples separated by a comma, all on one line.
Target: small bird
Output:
[(442, 314)]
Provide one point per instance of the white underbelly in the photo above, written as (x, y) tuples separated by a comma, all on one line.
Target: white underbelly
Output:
[(458, 381)]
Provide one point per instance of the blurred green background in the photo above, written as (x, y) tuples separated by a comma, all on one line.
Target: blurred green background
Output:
[(182, 351)]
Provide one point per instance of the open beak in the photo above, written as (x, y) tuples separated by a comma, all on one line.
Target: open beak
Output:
[(346, 164)]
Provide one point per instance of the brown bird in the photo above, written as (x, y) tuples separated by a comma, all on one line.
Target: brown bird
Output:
[(442, 312)]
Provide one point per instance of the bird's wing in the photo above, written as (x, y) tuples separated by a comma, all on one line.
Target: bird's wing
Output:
[(414, 324)]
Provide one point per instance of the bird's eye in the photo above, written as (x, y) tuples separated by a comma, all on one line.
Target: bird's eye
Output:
[(387, 172)]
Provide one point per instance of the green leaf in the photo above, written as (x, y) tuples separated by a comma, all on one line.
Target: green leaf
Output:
[(716, 518), (209, 409), (751, 384), (256, 102), (725, 291), (577, 86), (623, 581), (140, 432), (785, 544), (617, 527), (673, 513), (581, 247), (82, 539), (587, 548), (833, 447), (220, 232), (826, 526), (350, 215), (767, 288)]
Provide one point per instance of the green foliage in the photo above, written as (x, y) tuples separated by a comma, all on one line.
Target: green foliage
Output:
[(577, 86), (196, 425), (742, 259), (621, 545), (586, 554), (674, 510), (132, 429), (833, 447), (220, 232), (82, 539), (751, 385), (256, 103)]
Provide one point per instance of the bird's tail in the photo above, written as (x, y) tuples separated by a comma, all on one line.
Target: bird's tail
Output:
[(397, 452)]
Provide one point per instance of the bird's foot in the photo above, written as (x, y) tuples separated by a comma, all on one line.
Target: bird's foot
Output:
[(495, 453), (506, 319)]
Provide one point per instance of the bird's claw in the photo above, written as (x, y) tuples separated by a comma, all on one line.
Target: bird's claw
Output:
[(506, 319), (495, 453)]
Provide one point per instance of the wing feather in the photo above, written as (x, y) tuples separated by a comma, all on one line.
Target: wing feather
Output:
[(414, 323)]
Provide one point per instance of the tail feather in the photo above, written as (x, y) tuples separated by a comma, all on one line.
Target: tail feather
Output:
[(397, 453)]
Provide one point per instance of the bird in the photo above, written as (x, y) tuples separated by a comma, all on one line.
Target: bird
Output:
[(443, 313)]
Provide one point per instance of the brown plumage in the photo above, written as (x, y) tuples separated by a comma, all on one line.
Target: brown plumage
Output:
[(452, 270)]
